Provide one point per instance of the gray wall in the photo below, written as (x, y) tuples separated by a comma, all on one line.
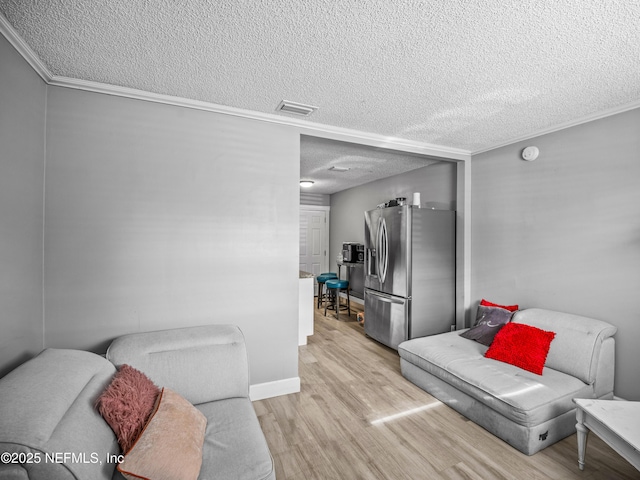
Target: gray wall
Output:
[(563, 232), (158, 216), (22, 124), (436, 184), (315, 199)]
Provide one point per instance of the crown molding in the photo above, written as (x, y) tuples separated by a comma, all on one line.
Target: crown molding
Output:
[(556, 128), (14, 38), (305, 127)]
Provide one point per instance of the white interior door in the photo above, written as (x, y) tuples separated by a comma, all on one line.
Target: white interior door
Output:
[(313, 241)]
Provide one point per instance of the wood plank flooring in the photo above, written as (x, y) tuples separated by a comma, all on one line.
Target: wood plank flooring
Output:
[(357, 417)]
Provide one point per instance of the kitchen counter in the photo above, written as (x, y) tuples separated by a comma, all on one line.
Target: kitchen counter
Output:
[(359, 267), (305, 306)]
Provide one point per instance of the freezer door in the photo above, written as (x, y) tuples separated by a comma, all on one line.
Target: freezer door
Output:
[(387, 318)]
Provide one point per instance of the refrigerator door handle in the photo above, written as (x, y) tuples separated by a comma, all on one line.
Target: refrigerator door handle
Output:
[(378, 249), (384, 250), (385, 246)]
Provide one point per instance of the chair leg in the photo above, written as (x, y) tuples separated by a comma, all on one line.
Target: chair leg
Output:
[(326, 302), (319, 294), (348, 306)]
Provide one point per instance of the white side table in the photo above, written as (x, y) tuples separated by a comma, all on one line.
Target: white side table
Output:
[(615, 422)]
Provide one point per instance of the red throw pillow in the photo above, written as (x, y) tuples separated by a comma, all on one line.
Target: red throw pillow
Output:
[(487, 303), (521, 345), (127, 403)]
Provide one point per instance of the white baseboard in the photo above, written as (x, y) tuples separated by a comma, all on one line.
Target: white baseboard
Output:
[(261, 391), (355, 300)]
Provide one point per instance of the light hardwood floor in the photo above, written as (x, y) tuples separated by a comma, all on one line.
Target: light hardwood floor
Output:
[(356, 417)]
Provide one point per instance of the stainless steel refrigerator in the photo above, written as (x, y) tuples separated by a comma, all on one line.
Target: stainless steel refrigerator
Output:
[(409, 273)]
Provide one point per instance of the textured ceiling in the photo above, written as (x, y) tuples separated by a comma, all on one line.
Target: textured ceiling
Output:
[(364, 164), (463, 74)]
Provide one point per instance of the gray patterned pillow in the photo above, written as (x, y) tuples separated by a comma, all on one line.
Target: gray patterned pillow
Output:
[(488, 321)]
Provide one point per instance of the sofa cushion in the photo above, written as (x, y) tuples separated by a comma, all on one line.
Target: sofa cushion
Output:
[(575, 350), (170, 447), (234, 445), (521, 396), (47, 407)]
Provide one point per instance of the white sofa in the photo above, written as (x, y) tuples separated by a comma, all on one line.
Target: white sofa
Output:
[(52, 430), (528, 411)]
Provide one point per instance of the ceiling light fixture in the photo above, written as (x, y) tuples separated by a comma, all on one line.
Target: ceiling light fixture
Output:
[(296, 108), (306, 183)]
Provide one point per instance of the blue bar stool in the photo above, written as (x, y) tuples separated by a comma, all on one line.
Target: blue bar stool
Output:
[(334, 287), (321, 279)]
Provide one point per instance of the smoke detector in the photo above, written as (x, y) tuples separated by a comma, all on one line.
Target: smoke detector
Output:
[(530, 153), (295, 108)]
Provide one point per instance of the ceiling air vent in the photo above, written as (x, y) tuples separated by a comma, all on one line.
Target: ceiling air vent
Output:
[(295, 108), (339, 169)]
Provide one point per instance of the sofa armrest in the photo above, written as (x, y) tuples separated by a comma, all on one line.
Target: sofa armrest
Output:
[(48, 418), (202, 364), (605, 371)]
